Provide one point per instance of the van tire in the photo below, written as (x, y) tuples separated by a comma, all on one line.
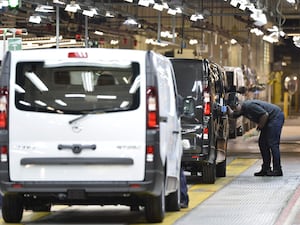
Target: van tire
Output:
[(221, 169), (12, 208), (155, 207), (173, 201), (209, 173)]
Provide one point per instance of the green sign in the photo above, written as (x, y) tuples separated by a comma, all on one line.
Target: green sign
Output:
[(14, 44)]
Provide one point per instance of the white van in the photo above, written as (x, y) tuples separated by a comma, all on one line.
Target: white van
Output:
[(89, 126)]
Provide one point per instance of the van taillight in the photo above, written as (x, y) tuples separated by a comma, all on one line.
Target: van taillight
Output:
[(205, 133), (206, 104), (150, 153), (3, 153), (3, 108), (152, 108)]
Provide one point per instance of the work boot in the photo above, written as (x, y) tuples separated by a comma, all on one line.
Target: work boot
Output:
[(275, 173), (262, 172)]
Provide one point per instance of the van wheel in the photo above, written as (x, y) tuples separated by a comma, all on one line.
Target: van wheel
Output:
[(221, 169), (209, 173), (173, 201), (155, 207), (12, 208)]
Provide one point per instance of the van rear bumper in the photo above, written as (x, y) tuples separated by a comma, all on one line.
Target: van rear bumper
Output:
[(82, 192)]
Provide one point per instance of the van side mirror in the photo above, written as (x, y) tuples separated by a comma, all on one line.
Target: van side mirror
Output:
[(189, 107)]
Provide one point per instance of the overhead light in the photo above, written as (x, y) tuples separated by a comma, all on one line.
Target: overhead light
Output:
[(44, 8), (158, 7), (91, 12), (193, 41), (35, 19), (109, 14), (72, 7), (291, 1), (197, 16), (178, 10), (59, 2), (233, 41), (172, 11), (256, 31), (98, 33), (259, 17), (234, 3), (130, 21), (146, 3), (128, 1)]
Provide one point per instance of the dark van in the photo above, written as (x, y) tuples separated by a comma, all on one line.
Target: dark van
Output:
[(205, 129)]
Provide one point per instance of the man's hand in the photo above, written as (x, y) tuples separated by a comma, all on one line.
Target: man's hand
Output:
[(229, 111), (262, 121)]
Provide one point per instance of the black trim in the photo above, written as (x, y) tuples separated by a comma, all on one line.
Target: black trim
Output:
[(76, 161)]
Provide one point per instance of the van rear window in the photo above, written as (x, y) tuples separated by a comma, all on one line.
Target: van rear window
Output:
[(189, 76), (76, 89)]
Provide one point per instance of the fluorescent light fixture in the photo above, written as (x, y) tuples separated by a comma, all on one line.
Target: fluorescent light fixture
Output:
[(97, 32), (128, 1), (167, 34), (145, 3), (234, 3), (36, 81), (291, 1), (44, 8), (72, 7), (256, 31), (35, 19), (197, 16), (172, 11), (109, 14), (158, 7), (165, 5), (114, 42), (91, 12), (130, 21), (178, 10), (59, 2), (259, 17), (193, 42), (233, 41)]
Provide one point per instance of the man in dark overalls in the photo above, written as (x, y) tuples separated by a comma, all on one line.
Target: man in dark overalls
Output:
[(269, 119)]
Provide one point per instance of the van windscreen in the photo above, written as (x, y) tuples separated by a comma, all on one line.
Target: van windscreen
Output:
[(75, 89)]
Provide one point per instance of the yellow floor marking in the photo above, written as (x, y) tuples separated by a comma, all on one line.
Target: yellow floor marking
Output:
[(200, 192), (197, 193)]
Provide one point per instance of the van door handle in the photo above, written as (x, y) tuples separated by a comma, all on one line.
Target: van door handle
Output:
[(176, 132)]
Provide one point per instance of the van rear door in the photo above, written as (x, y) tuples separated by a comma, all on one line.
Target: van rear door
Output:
[(72, 119)]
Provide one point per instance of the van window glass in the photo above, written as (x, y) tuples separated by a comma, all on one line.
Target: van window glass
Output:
[(75, 89), (189, 76)]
